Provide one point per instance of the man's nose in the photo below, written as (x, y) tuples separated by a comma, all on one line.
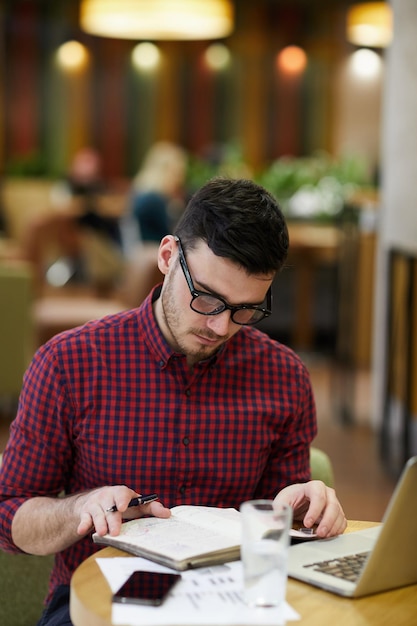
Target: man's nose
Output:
[(219, 323)]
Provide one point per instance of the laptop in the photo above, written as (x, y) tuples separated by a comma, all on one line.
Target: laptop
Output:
[(367, 561)]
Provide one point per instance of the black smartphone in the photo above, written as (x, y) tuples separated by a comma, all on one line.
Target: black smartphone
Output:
[(146, 588)]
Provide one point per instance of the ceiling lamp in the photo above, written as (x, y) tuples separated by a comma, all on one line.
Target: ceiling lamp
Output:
[(72, 56), (146, 56), (370, 24), (157, 19), (217, 57), (292, 60)]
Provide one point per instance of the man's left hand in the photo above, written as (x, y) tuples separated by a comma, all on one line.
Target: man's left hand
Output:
[(315, 503)]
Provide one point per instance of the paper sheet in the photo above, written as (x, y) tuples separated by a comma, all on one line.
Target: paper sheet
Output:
[(206, 596)]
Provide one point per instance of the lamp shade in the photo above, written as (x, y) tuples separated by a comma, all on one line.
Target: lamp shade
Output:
[(370, 24), (157, 19)]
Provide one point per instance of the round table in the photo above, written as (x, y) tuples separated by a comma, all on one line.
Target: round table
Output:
[(90, 603)]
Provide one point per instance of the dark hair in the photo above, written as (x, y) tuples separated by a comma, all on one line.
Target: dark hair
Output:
[(238, 220)]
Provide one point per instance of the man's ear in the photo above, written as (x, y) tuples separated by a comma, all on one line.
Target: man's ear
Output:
[(166, 253)]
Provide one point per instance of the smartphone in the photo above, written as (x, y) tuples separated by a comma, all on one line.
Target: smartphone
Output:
[(146, 588)]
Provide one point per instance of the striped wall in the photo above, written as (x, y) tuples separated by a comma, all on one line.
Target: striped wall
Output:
[(48, 113)]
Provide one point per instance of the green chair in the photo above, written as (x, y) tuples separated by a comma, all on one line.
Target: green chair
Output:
[(16, 329), (24, 584), (321, 467), (23, 587)]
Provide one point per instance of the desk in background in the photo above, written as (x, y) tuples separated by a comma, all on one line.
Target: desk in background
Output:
[(311, 246), (90, 603), (300, 295)]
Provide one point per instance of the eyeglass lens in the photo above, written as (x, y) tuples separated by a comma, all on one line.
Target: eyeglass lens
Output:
[(209, 305)]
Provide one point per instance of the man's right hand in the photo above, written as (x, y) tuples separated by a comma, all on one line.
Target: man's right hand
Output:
[(94, 514)]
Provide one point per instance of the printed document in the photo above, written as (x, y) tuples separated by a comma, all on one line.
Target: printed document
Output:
[(207, 596)]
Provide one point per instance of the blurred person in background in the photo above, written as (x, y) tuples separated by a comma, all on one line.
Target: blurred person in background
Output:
[(158, 193), (85, 240), (86, 183)]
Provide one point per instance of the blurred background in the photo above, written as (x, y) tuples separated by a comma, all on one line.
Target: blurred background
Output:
[(285, 81), (105, 135)]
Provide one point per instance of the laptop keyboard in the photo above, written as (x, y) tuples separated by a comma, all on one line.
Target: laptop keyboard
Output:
[(346, 567)]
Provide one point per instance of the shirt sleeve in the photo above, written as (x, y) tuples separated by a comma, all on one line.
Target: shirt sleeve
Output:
[(289, 461), (36, 458)]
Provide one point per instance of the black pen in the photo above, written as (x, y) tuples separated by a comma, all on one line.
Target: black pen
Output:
[(135, 502)]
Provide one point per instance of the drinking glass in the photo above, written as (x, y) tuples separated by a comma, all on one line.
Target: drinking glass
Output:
[(264, 551)]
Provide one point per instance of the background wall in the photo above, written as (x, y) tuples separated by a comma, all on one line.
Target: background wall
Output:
[(46, 113), (395, 329)]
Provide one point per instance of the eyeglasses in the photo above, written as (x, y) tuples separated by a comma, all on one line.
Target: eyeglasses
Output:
[(208, 304)]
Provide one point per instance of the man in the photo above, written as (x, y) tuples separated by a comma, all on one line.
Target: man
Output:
[(182, 397)]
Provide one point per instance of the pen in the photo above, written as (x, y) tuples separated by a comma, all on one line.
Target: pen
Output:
[(136, 502)]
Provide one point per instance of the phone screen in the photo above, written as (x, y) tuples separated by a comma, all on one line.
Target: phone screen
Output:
[(146, 588)]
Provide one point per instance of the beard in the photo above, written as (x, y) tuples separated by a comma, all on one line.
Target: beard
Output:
[(181, 338)]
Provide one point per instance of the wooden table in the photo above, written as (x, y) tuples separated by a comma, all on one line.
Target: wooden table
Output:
[(90, 603)]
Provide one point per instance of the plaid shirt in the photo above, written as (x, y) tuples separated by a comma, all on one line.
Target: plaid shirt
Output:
[(111, 403)]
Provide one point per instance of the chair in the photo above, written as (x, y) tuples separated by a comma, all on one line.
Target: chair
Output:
[(16, 330), (24, 584), (321, 466)]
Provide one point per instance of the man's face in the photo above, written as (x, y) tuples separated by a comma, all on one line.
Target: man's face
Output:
[(188, 332)]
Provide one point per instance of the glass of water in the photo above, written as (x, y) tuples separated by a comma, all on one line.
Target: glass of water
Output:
[(264, 551)]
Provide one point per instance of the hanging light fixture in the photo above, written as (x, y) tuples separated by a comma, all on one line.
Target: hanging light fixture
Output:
[(370, 24), (217, 57), (157, 19), (291, 60), (146, 56), (72, 56)]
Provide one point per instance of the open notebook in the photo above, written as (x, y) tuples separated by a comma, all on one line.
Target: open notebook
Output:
[(368, 561)]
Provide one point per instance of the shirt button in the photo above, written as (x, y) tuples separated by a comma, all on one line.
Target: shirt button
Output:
[(182, 489), (188, 392), (186, 441), (161, 364)]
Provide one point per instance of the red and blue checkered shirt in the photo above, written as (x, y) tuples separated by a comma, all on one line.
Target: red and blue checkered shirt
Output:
[(111, 403)]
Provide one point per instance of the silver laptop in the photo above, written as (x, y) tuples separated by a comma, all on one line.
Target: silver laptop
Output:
[(367, 561)]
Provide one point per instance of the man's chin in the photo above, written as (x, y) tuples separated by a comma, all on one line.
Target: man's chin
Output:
[(202, 349), (208, 342)]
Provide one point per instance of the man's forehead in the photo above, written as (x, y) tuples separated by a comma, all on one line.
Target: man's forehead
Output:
[(224, 277), (201, 249)]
